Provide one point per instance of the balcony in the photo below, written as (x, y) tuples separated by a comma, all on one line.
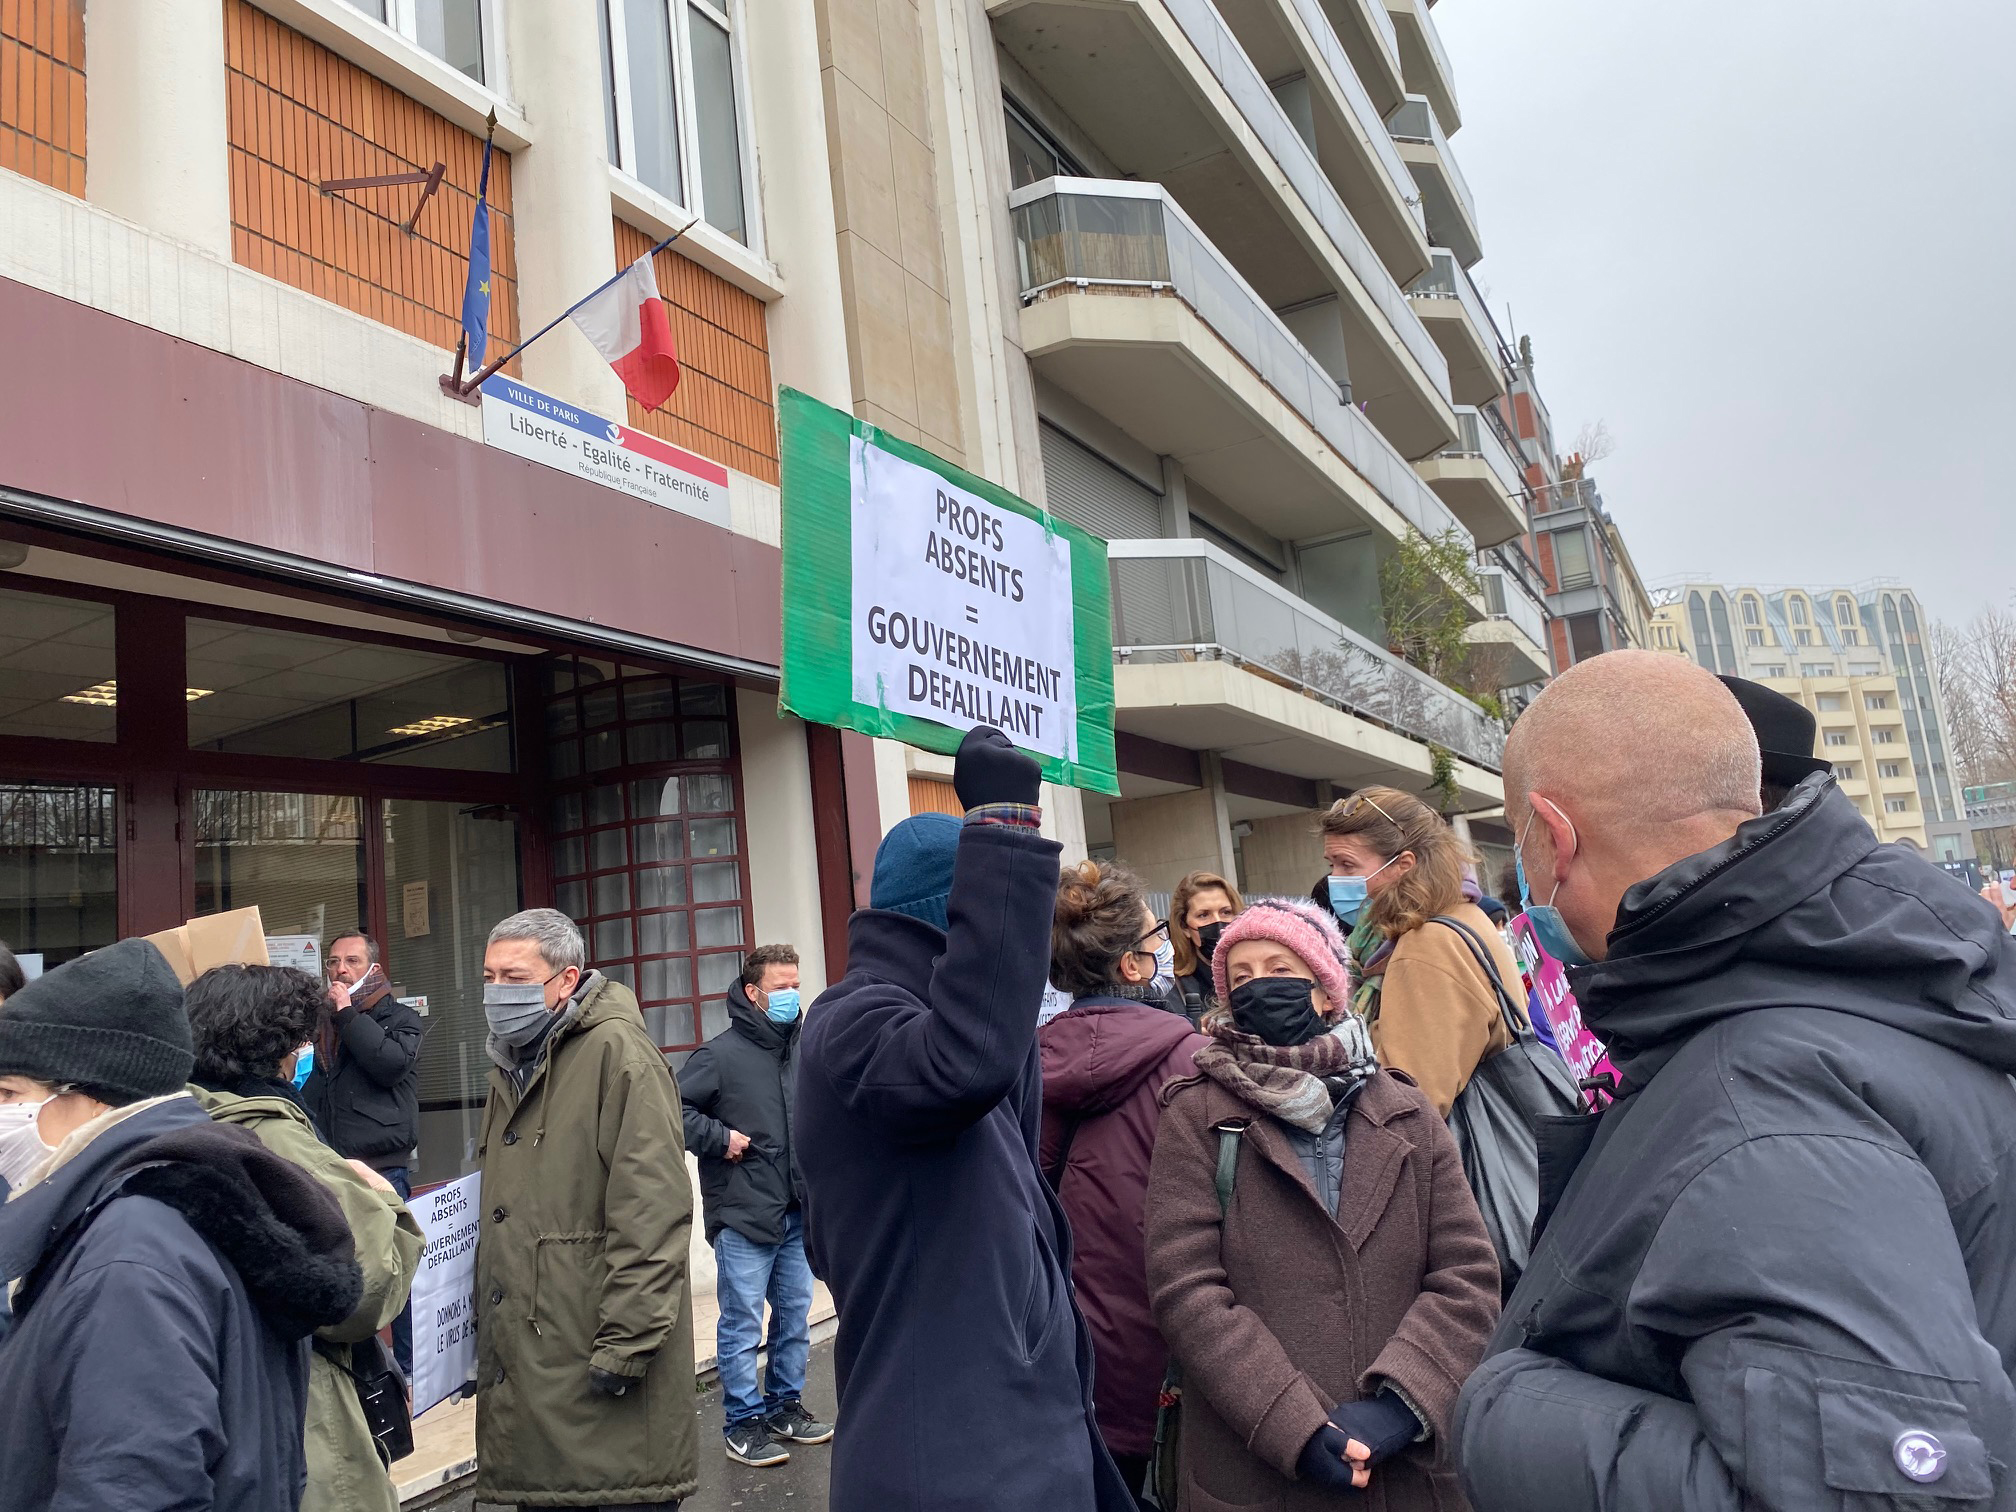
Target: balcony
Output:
[(1424, 61), (1452, 213), (1454, 313), (1169, 95), (1518, 623), (1130, 308), (1478, 479), (1330, 108)]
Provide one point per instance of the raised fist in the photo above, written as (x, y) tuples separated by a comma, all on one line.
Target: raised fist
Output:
[(989, 769)]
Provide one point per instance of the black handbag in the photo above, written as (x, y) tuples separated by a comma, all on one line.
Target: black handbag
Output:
[(381, 1392), (1496, 1122)]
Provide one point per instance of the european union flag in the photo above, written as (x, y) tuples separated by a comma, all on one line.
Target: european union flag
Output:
[(476, 294)]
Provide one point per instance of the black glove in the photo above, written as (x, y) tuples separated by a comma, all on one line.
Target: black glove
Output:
[(989, 769), (607, 1382), (1323, 1463), (1383, 1423)]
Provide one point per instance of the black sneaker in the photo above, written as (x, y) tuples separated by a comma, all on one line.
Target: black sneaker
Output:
[(793, 1423), (750, 1443)]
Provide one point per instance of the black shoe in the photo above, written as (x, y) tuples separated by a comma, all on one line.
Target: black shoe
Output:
[(793, 1423), (750, 1443)]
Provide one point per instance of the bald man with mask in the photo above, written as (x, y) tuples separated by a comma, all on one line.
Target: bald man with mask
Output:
[(1779, 1273)]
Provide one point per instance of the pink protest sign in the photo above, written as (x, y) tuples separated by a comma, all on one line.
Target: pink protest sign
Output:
[(1581, 1049)]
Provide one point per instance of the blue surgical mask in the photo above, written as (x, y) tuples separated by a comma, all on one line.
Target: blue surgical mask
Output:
[(782, 1006), (304, 1062), (1348, 894), (1165, 964), (1549, 928)]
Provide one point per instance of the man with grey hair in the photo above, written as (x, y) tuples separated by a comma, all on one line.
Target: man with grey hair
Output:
[(584, 1390), (1774, 1274)]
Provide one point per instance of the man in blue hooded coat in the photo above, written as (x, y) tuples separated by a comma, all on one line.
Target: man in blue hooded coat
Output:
[(964, 1368)]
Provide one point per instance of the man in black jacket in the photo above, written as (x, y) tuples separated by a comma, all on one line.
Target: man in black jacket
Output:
[(1776, 1274), (364, 1093), (737, 1091)]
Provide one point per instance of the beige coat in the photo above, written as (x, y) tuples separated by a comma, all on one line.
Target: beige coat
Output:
[(344, 1471), (587, 1218), (1437, 1015)]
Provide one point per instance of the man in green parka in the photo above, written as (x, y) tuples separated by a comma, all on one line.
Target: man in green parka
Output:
[(584, 1382), (247, 1022)]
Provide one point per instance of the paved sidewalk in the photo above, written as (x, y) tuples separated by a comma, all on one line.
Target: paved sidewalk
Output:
[(728, 1487)]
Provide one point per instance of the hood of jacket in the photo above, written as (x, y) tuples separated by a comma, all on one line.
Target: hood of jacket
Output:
[(1802, 907), (755, 1025), (1097, 1052)]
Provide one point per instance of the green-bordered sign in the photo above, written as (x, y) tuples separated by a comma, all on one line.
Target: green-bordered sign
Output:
[(920, 601)]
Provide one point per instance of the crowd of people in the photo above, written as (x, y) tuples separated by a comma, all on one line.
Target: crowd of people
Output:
[(1257, 1218)]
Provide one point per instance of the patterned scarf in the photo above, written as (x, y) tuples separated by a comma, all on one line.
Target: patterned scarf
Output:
[(1370, 950), (1291, 1082)]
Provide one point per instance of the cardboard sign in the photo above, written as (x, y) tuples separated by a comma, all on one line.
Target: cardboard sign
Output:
[(1583, 1052), (444, 1290), (237, 938)]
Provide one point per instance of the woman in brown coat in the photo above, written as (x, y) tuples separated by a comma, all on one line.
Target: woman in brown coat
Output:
[(1395, 869), (1327, 1309)]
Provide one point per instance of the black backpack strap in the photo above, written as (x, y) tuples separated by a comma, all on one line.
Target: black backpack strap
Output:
[(1515, 1018)]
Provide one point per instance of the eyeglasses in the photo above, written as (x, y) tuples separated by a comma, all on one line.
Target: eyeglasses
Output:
[(1357, 798), (1146, 944)]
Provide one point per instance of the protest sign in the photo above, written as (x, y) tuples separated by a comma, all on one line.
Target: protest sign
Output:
[(1583, 1052), (444, 1291), (921, 600)]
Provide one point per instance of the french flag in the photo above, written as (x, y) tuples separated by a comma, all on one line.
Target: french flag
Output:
[(627, 324)]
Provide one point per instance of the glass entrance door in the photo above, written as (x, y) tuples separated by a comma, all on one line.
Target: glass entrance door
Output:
[(59, 885), (299, 857)]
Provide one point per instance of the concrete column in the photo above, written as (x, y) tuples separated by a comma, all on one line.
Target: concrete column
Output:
[(1162, 838), (1283, 855), (777, 808), (808, 327), (154, 114), (1064, 821), (1176, 498), (560, 199)]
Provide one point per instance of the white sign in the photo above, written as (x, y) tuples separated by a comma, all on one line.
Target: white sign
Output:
[(962, 610), (540, 428), (301, 951), (413, 901), (444, 1291)]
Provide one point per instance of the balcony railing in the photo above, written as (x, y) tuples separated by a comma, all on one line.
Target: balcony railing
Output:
[(1120, 233), (1446, 278), (1476, 437), (1182, 601), (1339, 63), (1414, 121), (1229, 64), (1432, 35), (1506, 597)]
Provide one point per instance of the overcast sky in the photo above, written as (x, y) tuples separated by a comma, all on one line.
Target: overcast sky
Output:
[(1773, 244)]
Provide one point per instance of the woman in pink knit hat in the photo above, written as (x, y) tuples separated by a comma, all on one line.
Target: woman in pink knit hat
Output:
[(1315, 1260)]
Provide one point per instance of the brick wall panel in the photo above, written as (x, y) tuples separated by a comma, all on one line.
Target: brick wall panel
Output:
[(299, 114), (42, 91), (725, 405)]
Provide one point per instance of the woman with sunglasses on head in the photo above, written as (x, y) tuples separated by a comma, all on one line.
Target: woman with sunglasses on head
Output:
[(1200, 908), (1397, 889), (1106, 1060)]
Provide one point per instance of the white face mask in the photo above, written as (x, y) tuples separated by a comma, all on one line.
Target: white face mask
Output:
[(21, 1147)]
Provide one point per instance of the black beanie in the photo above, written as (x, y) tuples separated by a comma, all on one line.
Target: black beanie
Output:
[(111, 1021)]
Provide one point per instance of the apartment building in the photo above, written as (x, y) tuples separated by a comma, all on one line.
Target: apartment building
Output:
[(284, 623), (1858, 659), (1203, 268)]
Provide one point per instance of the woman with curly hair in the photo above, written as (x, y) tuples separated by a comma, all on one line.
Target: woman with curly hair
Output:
[(1315, 1259)]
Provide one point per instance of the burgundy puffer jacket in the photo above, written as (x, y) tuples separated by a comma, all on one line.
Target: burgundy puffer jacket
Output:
[(1105, 1063)]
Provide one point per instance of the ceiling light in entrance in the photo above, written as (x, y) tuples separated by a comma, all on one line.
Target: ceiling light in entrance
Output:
[(433, 724), (105, 695)]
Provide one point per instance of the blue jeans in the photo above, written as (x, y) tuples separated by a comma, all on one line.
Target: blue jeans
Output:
[(402, 1326), (746, 1274)]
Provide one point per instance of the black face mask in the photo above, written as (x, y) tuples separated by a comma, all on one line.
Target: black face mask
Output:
[(1208, 936), (1277, 1010)]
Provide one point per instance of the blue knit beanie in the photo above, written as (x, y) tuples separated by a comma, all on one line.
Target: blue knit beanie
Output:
[(913, 868)]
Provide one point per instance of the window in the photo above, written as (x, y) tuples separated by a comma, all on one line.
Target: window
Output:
[(1844, 610), (1898, 805), (458, 32), (1864, 669), (1884, 737), (1751, 614), (1851, 637), (1832, 703), (1844, 771), (59, 888), (1033, 154), (1585, 636), (1799, 613), (1890, 769), (1777, 669), (1816, 669), (1752, 637), (1802, 637), (674, 104), (1876, 700), (57, 670), (1571, 559), (1837, 738)]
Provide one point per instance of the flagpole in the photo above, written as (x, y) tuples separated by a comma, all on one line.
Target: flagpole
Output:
[(482, 199), (477, 379)]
